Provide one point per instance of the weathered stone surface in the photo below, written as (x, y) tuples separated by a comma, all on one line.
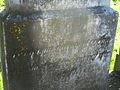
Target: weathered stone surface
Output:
[(2, 51), (40, 5), (57, 44), (59, 49)]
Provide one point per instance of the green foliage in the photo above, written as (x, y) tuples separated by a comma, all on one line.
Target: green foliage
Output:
[(116, 5), (1, 84), (2, 5), (1, 8)]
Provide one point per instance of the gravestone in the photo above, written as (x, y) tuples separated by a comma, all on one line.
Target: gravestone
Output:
[(57, 44)]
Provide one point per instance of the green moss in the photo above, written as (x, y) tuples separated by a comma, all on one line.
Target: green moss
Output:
[(1, 84)]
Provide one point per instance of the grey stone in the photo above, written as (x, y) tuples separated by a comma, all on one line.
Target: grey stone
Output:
[(3, 15), (59, 49), (57, 44), (43, 5)]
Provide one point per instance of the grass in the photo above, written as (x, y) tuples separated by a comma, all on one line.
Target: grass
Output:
[(116, 6), (1, 84), (1, 5), (1, 8)]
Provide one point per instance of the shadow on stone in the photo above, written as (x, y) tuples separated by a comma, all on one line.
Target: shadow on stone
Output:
[(114, 80)]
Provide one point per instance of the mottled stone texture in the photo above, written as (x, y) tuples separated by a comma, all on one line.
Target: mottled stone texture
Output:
[(40, 5), (57, 44), (59, 50)]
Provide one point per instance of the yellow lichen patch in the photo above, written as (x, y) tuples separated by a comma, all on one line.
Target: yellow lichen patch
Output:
[(18, 30), (18, 37), (22, 49), (14, 23), (18, 55), (21, 53)]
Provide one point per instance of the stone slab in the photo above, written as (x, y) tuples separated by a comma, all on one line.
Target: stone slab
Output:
[(59, 49)]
